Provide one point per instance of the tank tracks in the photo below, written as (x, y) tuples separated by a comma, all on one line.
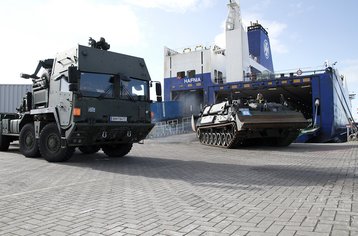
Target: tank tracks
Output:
[(222, 135), (227, 136)]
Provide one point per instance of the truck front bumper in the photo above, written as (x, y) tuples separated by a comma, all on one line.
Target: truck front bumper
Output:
[(102, 134)]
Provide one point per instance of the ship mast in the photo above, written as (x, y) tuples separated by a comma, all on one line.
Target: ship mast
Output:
[(237, 48)]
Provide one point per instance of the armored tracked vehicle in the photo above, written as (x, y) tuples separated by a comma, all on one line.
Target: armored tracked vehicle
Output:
[(248, 122), (86, 97)]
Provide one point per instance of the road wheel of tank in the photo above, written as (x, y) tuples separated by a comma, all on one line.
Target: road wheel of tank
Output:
[(50, 145), (218, 142), (229, 138), (28, 144), (206, 138), (223, 139), (201, 137), (215, 139), (118, 150), (4, 142), (89, 149), (210, 138)]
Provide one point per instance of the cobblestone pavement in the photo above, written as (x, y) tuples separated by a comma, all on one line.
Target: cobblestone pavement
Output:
[(178, 187)]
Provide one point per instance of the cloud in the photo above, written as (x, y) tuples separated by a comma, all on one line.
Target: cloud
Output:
[(220, 39), (172, 5), (299, 8), (276, 29), (259, 5), (41, 29)]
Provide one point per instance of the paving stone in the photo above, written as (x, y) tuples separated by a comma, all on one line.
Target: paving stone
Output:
[(287, 232), (180, 187), (325, 228)]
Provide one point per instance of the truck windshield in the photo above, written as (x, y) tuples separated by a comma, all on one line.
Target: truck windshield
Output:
[(105, 86), (134, 88), (95, 85)]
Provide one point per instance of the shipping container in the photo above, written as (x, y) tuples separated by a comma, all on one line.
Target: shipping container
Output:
[(11, 96)]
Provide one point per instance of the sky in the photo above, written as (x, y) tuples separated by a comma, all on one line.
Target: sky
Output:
[(303, 33)]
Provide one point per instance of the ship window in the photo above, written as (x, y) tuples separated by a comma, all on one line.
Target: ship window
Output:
[(180, 74), (220, 77), (191, 73)]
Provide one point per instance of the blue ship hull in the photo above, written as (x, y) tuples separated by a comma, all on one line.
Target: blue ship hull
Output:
[(334, 110), (329, 119)]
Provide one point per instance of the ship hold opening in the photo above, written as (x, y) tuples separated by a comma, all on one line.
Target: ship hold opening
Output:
[(298, 98), (192, 101)]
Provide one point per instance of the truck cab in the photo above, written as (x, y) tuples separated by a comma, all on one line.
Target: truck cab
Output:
[(86, 97)]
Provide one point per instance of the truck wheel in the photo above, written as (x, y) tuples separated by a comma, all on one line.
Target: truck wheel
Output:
[(118, 150), (28, 143), (4, 142), (50, 145), (89, 149)]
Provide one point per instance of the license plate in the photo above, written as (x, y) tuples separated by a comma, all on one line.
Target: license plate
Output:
[(118, 119)]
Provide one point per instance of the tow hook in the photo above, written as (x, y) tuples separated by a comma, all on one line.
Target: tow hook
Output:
[(104, 134), (129, 133)]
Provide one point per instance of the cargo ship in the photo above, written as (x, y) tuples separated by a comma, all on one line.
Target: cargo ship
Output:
[(204, 75)]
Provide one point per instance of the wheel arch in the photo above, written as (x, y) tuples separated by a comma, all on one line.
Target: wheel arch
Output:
[(27, 118), (39, 120)]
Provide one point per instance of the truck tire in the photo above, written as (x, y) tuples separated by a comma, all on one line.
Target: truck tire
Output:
[(89, 149), (50, 145), (118, 150), (28, 144), (4, 142)]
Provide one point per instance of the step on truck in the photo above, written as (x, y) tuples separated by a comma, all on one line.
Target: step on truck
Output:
[(86, 97)]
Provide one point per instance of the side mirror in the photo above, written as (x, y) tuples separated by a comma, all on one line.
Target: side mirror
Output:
[(73, 75), (158, 91)]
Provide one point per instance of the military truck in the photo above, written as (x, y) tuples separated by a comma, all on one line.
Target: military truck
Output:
[(86, 97)]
